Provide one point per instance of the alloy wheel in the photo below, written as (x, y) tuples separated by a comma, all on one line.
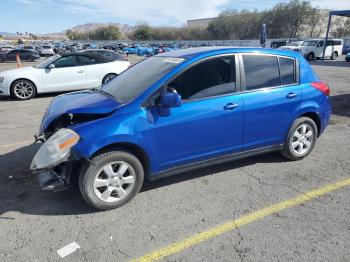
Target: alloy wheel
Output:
[(114, 181), (23, 89), (302, 139)]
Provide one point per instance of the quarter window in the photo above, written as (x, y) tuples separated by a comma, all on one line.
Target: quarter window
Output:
[(287, 70), (210, 78), (261, 71)]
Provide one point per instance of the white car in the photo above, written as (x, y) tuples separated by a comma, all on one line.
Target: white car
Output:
[(68, 72), (313, 48), (294, 46), (46, 50)]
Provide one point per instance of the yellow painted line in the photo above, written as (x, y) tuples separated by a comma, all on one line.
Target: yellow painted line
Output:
[(17, 144), (234, 224)]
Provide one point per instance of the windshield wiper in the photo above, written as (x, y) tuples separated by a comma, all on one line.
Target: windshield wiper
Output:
[(99, 90)]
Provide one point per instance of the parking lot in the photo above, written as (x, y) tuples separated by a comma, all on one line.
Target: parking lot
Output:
[(34, 224)]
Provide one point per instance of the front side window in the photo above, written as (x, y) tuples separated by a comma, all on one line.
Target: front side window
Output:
[(261, 71), (209, 78), (66, 61)]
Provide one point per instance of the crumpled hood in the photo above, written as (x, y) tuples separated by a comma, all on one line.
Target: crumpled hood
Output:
[(82, 102)]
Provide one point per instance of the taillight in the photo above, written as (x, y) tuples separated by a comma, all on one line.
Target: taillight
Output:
[(323, 87)]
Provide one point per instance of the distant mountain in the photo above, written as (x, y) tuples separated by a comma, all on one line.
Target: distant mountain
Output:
[(93, 26), (124, 28), (7, 34)]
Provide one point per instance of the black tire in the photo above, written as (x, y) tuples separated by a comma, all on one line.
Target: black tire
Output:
[(90, 171), (30, 58), (334, 56), (108, 78), (288, 150), (15, 94), (310, 56), (2, 59)]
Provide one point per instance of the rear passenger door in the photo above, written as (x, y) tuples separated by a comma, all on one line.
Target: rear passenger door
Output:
[(271, 95)]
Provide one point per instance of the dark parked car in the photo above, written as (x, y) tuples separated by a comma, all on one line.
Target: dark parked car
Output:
[(24, 54), (277, 44), (347, 58), (114, 56)]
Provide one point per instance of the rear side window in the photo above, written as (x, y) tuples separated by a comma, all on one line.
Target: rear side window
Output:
[(287, 71), (87, 60), (261, 71)]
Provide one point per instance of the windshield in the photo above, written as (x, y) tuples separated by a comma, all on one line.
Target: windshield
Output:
[(46, 47), (139, 77), (310, 43), (46, 62)]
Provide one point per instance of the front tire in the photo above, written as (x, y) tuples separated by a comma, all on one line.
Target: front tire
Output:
[(23, 89), (112, 180), (30, 58), (301, 139)]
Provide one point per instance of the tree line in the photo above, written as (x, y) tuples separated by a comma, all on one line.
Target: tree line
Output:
[(294, 19)]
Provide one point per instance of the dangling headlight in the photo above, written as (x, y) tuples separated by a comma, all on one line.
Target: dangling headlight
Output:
[(55, 150)]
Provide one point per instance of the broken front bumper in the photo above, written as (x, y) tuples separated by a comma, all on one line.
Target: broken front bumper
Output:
[(56, 179)]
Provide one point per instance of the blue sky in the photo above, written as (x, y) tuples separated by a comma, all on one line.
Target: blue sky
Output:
[(48, 16)]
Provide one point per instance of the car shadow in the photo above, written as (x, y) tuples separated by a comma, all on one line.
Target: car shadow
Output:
[(21, 192), (341, 105)]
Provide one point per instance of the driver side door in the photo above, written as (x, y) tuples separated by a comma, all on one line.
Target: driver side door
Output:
[(209, 123), (68, 74)]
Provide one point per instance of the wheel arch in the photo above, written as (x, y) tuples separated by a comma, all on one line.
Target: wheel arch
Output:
[(111, 73), (316, 118), (24, 78), (132, 148)]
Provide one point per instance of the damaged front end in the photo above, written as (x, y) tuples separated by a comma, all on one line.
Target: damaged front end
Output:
[(56, 164)]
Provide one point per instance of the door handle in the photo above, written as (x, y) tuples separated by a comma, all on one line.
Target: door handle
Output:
[(291, 95), (81, 71), (230, 106)]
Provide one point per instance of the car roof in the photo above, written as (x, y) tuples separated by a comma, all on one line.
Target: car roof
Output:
[(194, 51)]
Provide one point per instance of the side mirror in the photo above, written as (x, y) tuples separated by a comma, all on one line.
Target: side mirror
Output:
[(170, 99), (51, 66)]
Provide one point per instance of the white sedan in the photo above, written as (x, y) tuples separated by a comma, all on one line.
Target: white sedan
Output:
[(60, 73)]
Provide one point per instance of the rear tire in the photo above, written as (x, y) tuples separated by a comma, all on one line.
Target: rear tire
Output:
[(114, 187), (310, 56), (334, 56), (108, 78), (301, 139)]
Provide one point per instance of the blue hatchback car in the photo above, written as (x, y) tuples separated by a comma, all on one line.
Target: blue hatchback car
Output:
[(179, 111)]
